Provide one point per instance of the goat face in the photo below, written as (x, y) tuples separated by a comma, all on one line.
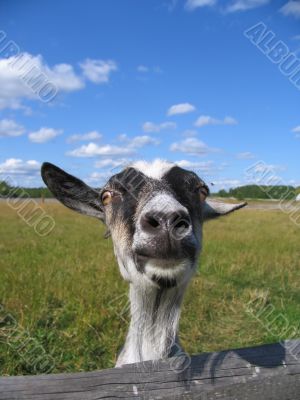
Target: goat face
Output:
[(154, 213)]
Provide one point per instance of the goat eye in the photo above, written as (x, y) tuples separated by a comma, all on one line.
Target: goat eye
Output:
[(106, 197), (203, 193)]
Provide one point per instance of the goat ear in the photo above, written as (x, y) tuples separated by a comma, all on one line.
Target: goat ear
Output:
[(71, 191), (214, 209)]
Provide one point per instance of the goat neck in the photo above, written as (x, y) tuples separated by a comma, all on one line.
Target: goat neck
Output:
[(154, 322)]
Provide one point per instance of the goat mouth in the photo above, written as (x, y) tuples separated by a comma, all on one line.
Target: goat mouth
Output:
[(165, 250), (165, 273), (145, 256), (160, 262), (165, 253)]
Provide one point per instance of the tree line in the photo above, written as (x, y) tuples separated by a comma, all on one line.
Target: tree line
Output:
[(11, 191), (260, 192)]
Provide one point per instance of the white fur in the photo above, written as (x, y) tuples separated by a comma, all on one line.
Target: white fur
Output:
[(146, 339), (155, 169), (182, 271), (164, 203)]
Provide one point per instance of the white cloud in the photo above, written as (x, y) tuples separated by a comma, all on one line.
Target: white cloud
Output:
[(245, 156), (44, 135), (138, 141), (204, 120), (182, 108), (296, 129), (93, 150), (141, 141), (64, 77), (152, 127), (193, 4), (128, 149), (23, 76), (16, 166), (191, 146), (229, 121), (191, 164), (262, 173), (93, 135), (227, 183), (17, 75), (205, 167), (98, 71), (235, 5), (142, 68), (243, 5), (264, 168), (8, 127), (98, 178), (294, 183), (190, 133), (111, 163), (291, 8), (123, 137)]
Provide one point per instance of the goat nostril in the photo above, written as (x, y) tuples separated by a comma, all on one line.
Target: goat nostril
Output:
[(149, 222), (182, 224), (176, 224), (180, 221), (153, 222)]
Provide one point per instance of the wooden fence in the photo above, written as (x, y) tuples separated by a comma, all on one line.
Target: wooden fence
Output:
[(269, 372)]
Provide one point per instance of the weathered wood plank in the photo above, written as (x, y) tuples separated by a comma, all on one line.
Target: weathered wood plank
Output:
[(264, 372)]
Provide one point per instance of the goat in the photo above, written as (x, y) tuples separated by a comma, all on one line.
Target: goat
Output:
[(154, 213)]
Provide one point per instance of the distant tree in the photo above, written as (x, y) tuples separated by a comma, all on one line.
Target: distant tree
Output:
[(222, 193), (261, 192), (6, 190)]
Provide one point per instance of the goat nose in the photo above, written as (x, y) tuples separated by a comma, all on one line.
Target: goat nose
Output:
[(177, 224)]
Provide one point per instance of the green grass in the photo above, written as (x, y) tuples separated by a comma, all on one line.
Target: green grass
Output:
[(67, 299)]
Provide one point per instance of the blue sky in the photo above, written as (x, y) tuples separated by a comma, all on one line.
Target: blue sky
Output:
[(146, 79)]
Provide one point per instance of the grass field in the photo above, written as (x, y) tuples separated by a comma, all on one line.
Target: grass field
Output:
[(62, 296)]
